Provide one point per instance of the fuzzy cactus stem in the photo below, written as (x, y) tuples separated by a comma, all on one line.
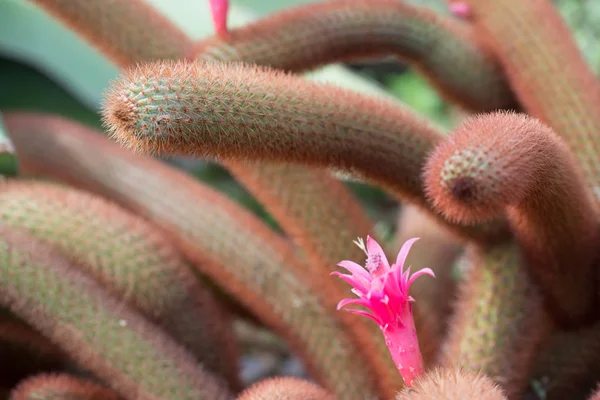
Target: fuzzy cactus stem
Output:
[(383, 290)]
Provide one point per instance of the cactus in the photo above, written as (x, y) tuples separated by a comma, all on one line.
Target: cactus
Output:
[(61, 386), (109, 261), (500, 321), (225, 242), (131, 259), (511, 163), (101, 333), (450, 384), (170, 108), (291, 388)]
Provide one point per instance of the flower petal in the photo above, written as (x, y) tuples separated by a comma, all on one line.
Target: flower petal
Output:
[(424, 271), (404, 281), (361, 302), (391, 285), (355, 281), (354, 268), (377, 257), (403, 253), (363, 313)]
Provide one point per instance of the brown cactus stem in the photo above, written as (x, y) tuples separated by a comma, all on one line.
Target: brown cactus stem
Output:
[(271, 183), (238, 112), (227, 243), (449, 53), (298, 197), (549, 74), (499, 321), (309, 36), (453, 384), (108, 26), (288, 388), (61, 387), (305, 37), (513, 162), (24, 352), (437, 250), (568, 364), (98, 331), (132, 259)]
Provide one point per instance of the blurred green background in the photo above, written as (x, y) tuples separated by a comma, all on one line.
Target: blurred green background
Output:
[(45, 67)]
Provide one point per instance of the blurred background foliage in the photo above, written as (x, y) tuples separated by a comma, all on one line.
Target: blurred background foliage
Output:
[(45, 67)]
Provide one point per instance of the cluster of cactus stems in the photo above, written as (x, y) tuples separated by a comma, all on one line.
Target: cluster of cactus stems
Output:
[(119, 274)]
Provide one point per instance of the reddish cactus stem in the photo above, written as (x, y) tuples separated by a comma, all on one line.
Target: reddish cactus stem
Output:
[(287, 388), (548, 73), (504, 161)]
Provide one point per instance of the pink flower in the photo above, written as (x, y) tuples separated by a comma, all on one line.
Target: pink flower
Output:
[(219, 9), (383, 290)]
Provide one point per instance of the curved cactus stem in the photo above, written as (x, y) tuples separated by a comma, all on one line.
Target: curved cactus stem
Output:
[(500, 320), (285, 387), (319, 213), (269, 182), (108, 26), (549, 74), (453, 383), (309, 36), (235, 111), (227, 243), (61, 386), (97, 330), (511, 162), (132, 259)]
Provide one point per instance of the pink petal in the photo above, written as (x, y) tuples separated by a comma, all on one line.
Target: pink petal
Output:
[(404, 280), (424, 271), (396, 284), (403, 253), (355, 269), (377, 287), (219, 9), (363, 313), (377, 256), (391, 285), (355, 281), (360, 302)]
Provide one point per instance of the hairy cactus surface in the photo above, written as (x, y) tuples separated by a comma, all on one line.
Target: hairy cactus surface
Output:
[(452, 384), (100, 332), (501, 162), (284, 388), (131, 259), (122, 277), (61, 386)]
